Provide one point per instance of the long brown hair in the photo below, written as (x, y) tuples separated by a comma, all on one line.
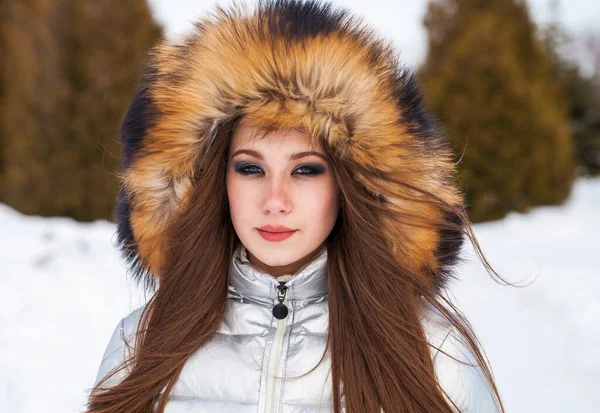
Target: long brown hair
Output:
[(377, 342)]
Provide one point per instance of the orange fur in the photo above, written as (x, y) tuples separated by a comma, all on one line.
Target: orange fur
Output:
[(328, 84)]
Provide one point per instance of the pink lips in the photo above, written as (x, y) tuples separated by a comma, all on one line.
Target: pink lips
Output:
[(275, 233)]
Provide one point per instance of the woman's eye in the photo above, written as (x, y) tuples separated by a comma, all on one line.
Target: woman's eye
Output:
[(310, 170), (248, 169)]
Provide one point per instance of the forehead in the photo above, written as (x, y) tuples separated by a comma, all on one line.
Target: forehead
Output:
[(247, 135)]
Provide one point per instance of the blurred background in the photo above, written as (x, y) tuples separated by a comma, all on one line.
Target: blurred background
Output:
[(516, 84)]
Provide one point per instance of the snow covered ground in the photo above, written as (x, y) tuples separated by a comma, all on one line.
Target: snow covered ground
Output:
[(63, 290)]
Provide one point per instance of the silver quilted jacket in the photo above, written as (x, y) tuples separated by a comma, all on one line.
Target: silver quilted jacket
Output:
[(250, 363)]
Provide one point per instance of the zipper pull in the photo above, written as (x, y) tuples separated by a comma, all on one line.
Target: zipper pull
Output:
[(280, 310)]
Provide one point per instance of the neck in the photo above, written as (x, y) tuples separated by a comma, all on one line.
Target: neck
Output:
[(305, 285)]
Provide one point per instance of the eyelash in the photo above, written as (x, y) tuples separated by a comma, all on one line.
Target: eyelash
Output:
[(314, 170)]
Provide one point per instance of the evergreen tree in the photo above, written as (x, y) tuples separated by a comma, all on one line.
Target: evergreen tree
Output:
[(584, 95), (582, 92), (82, 59), (489, 79), (32, 94)]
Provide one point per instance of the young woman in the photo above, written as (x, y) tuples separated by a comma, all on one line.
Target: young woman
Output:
[(293, 207)]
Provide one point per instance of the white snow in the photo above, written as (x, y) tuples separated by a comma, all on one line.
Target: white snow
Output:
[(63, 289)]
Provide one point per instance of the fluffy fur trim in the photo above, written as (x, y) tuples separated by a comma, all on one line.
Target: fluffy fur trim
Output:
[(282, 64)]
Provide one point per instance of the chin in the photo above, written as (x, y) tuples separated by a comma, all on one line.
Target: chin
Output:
[(274, 254), (276, 257)]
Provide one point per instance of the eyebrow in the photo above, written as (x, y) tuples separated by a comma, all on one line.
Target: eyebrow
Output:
[(293, 156)]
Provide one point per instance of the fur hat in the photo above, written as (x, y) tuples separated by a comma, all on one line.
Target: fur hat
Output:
[(283, 64)]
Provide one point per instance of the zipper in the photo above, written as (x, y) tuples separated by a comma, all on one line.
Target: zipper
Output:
[(280, 312)]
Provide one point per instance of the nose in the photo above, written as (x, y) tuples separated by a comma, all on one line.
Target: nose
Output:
[(277, 200)]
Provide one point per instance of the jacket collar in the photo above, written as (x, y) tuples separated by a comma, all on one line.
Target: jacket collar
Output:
[(248, 283)]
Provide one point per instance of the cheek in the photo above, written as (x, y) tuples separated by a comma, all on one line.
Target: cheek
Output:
[(323, 204)]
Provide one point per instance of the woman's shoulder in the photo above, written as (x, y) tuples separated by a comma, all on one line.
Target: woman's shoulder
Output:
[(120, 346), (456, 366), (127, 327), (130, 321)]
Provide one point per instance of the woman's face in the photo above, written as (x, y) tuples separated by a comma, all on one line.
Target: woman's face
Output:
[(275, 181)]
